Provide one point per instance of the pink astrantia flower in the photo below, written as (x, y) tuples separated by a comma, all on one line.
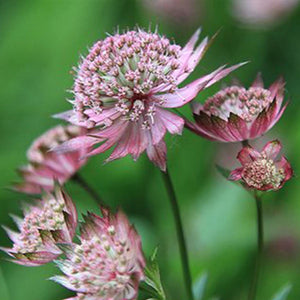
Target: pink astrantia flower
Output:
[(261, 170), (53, 219), (236, 114), (124, 87), (45, 166), (108, 263)]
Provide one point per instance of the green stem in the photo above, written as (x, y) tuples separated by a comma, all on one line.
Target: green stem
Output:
[(180, 234), (260, 245), (82, 182)]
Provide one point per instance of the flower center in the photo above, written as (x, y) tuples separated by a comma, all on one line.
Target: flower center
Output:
[(263, 172), (247, 104)]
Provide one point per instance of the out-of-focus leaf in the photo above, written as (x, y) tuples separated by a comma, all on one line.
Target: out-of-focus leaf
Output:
[(152, 283), (224, 172), (3, 288), (199, 286), (283, 293)]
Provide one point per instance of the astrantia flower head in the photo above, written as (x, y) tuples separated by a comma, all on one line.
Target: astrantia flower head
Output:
[(261, 170), (236, 114), (46, 166), (51, 220), (108, 263), (123, 87)]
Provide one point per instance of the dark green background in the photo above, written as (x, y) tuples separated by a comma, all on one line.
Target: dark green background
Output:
[(40, 41)]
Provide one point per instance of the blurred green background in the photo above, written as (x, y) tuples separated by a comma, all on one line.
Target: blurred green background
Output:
[(40, 41)]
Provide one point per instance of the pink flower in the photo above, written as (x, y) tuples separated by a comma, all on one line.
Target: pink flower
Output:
[(52, 220), (45, 166), (108, 263), (262, 13), (236, 114), (261, 170), (124, 87)]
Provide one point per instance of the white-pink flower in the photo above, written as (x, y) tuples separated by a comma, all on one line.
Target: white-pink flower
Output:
[(45, 166), (52, 220), (108, 263), (124, 88)]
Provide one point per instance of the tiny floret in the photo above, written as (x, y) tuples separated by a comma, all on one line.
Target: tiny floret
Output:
[(236, 114), (51, 220), (108, 263), (45, 166), (261, 170), (125, 85)]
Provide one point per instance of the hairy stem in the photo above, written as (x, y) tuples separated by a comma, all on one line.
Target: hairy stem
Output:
[(82, 182), (260, 245), (180, 234)]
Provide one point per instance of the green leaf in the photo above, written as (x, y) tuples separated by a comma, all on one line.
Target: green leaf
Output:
[(152, 283), (283, 293), (199, 286)]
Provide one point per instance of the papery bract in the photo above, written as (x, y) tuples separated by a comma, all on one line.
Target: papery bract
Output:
[(235, 114), (124, 87), (261, 170), (52, 220), (108, 263), (45, 166)]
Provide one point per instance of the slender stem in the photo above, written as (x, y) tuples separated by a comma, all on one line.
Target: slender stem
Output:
[(245, 143), (180, 234), (82, 182), (260, 245)]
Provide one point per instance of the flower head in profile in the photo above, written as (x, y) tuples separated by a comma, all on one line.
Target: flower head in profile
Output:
[(45, 166), (236, 114), (261, 170), (125, 85), (52, 220), (108, 263)]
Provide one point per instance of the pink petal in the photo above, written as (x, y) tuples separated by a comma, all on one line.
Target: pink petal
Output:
[(158, 130), (238, 127), (247, 155), (157, 154), (258, 82), (236, 174), (199, 130), (285, 165), (173, 123), (272, 149)]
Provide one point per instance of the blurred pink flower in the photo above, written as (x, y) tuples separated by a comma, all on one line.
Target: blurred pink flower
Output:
[(124, 87), (236, 114), (52, 220), (262, 13), (261, 170), (108, 263), (182, 12), (46, 166)]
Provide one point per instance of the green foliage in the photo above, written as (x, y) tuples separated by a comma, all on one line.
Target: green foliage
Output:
[(283, 293), (199, 286), (152, 284)]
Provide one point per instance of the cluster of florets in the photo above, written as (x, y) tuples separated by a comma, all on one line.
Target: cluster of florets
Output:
[(261, 170), (52, 220), (108, 263), (237, 100), (121, 70), (46, 166)]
